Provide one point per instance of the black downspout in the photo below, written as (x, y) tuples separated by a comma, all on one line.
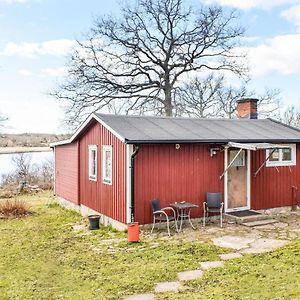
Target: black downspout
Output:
[(135, 152)]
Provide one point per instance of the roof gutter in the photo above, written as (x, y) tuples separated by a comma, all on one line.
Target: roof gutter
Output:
[(134, 154)]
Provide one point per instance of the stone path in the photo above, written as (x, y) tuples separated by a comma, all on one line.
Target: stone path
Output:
[(228, 256), (167, 287), (252, 243), (206, 265), (190, 275), (249, 245)]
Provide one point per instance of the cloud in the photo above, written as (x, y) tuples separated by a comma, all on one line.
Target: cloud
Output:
[(53, 47), (250, 39), (55, 72), (248, 4), (279, 54), (292, 15), (25, 72)]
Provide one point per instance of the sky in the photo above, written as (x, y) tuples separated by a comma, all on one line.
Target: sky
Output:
[(36, 37)]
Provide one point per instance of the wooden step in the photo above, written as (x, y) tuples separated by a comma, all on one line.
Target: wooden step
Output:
[(259, 222)]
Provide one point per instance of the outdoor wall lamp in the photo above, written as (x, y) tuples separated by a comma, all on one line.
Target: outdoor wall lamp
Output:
[(213, 151), (177, 146)]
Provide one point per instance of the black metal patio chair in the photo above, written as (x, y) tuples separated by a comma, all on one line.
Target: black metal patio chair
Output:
[(162, 215), (213, 204)]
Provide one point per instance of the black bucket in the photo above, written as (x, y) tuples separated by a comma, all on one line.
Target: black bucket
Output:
[(94, 222)]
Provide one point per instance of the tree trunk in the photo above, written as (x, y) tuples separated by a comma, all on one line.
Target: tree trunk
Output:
[(168, 101)]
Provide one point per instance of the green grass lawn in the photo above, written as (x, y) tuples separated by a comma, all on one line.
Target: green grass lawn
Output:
[(42, 257), (273, 276)]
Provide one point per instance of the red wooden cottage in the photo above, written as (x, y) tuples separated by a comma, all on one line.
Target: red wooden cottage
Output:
[(114, 165)]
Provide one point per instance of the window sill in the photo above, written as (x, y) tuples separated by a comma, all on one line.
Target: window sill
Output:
[(107, 182), (281, 164)]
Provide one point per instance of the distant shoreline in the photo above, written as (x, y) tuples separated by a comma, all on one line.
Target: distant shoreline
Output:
[(15, 150)]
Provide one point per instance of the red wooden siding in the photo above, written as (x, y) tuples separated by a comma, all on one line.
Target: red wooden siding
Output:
[(66, 172), (109, 200), (272, 187), (172, 175)]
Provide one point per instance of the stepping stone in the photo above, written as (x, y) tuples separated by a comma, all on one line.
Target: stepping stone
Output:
[(140, 297), (260, 223), (264, 245), (211, 264), (189, 275), (79, 227), (234, 242), (228, 256), (167, 287)]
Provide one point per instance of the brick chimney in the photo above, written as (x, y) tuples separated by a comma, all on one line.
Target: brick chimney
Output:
[(247, 108)]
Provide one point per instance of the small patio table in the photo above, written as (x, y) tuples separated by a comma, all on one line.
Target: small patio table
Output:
[(183, 211)]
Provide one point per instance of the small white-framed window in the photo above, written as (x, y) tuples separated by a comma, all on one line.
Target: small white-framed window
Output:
[(239, 161), (281, 157), (93, 162), (107, 164)]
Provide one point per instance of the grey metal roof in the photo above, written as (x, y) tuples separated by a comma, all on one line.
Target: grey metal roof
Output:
[(144, 129)]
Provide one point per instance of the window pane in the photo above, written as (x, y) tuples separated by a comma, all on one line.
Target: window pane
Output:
[(93, 162), (240, 160), (108, 164), (287, 154), (275, 155)]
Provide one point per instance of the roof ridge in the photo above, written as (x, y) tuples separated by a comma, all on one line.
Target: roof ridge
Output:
[(284, 124), (176, 118)]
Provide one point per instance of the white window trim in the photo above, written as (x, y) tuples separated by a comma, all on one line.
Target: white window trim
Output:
[(107, 180), (243, 153), (280, 162), (92, 177)]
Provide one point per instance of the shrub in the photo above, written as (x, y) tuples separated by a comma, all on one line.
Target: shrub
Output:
[(14, 208)]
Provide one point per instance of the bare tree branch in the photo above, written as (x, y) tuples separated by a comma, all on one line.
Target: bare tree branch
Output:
[(212, 97), (137, 63), (291, 116)]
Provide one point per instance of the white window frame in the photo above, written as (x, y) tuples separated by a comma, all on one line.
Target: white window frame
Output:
[(107, 180), (242, 154), (93, 177), (280, 162)]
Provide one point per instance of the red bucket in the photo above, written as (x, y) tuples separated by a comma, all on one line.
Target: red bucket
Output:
[(133, 232)]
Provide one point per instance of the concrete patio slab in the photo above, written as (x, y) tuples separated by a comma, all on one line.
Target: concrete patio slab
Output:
[(190, 275), (140, 297), (211, 264), (228, 256), (167, 287), (234, 242), (264, 245)]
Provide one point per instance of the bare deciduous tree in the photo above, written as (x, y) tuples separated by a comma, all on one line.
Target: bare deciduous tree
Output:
[(199, 97), (22, 163), (213, 97), (291, 116), (268, 103), (136, 63)]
